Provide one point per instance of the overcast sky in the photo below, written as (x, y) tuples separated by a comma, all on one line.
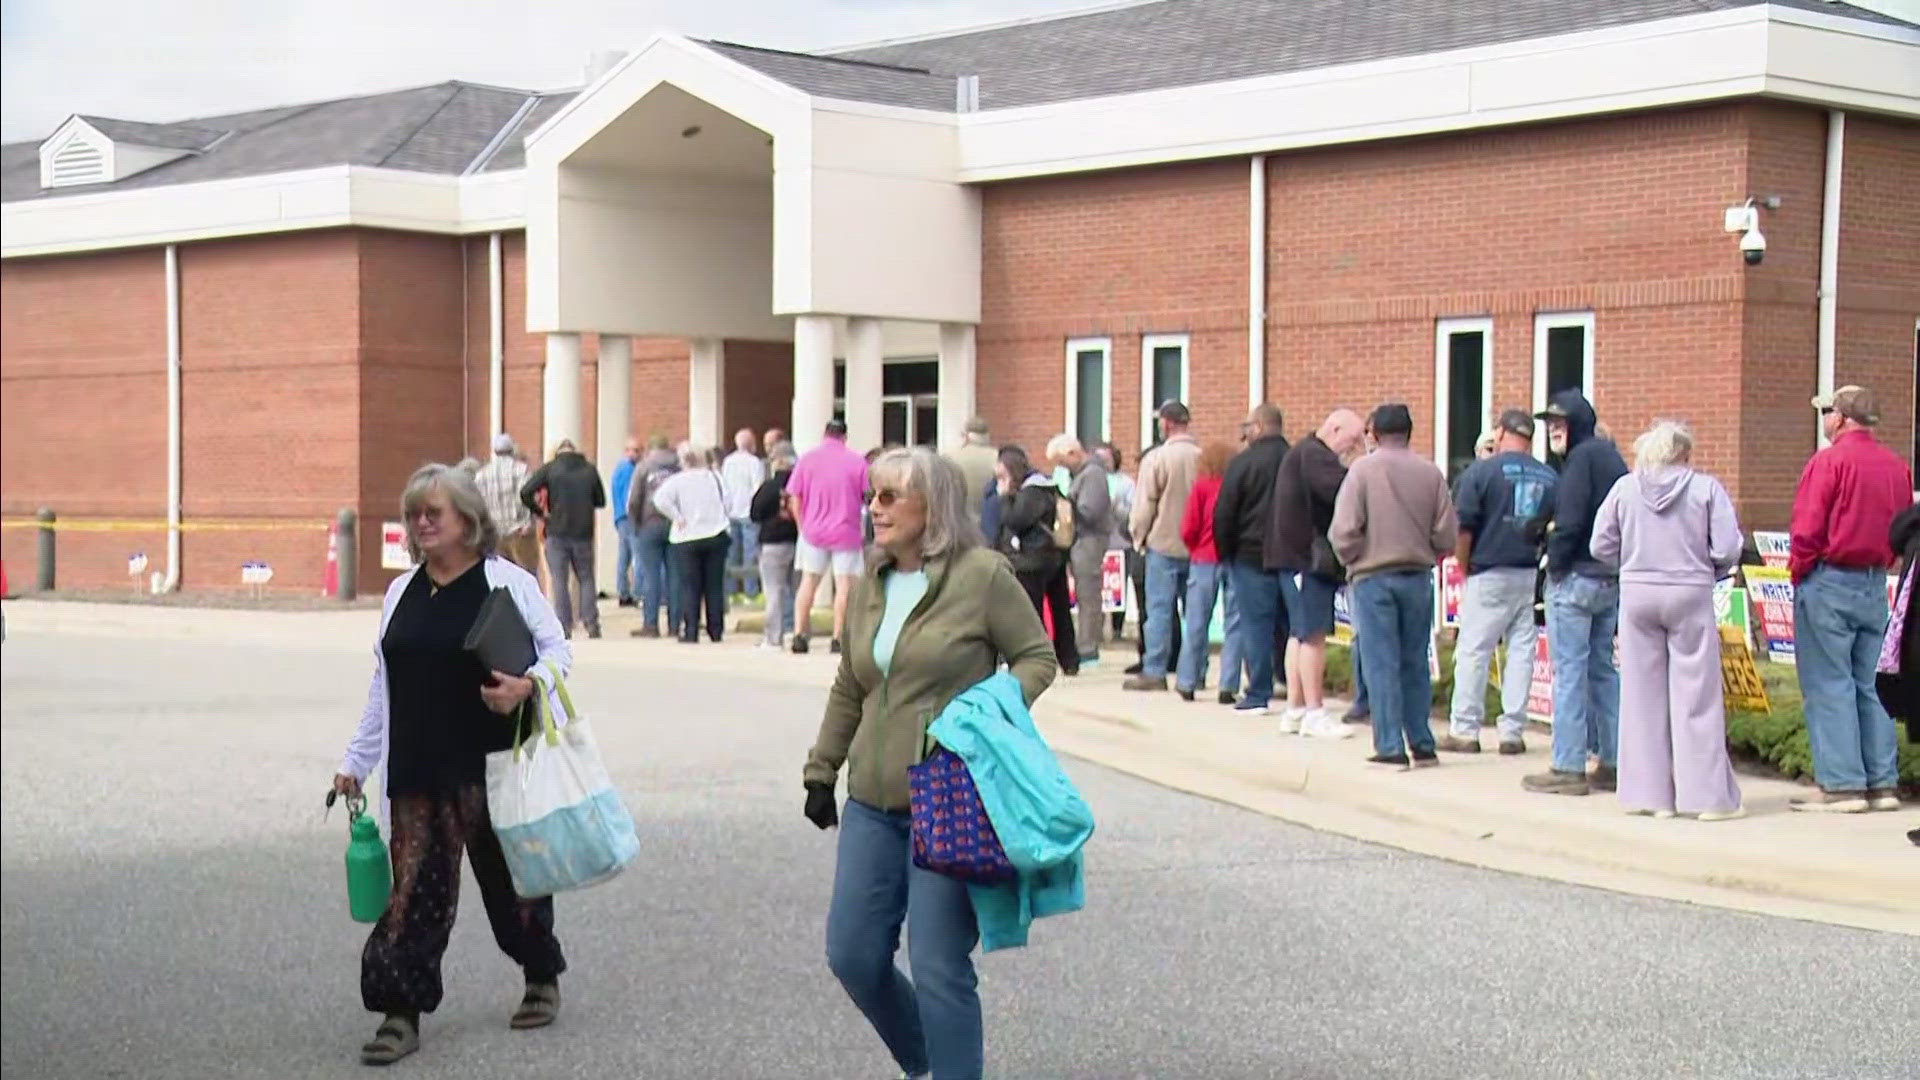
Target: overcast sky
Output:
[(164, 60)]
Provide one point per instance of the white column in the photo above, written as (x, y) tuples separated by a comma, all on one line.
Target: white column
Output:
[(812, 379), (560, 413), (956, 381), (615, 414), (706, 379), (864, 364)]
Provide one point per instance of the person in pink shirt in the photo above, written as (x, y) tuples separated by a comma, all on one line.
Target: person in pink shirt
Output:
[(827, 489)]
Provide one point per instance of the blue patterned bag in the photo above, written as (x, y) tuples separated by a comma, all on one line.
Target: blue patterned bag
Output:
[(951, 832)]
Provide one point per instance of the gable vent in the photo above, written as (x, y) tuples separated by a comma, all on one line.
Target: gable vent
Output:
[(78, 162)]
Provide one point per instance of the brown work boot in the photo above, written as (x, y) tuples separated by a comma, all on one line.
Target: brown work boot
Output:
[(1604, 778), (1557, 783), (1454, 744), (1145, 682)]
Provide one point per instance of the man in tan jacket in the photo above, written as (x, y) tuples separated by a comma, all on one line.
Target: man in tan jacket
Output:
[(1392, 523), (1159, 502)]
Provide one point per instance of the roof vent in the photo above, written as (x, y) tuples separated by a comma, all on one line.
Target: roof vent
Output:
[(78, 162)]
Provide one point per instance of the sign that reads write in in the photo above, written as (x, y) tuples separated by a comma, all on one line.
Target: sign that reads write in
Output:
[(1773, 547), (1771, 591), (1739, 677)]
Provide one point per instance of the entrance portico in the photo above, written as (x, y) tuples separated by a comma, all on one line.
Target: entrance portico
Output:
[(684, 194)]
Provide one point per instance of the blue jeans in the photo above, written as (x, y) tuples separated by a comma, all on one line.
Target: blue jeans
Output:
[(1839, 621), (1583, 614), (623, 564), (1361, 703), (1166, 583), (658, 581), (930, 1023), (1393, 624), (1205, 583), (1256, 593), (745, 552)]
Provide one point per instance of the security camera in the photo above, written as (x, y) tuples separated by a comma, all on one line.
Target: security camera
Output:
[(1753, 246)]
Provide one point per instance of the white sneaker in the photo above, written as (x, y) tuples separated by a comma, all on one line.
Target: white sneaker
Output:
[(1290, 720), (1319, 724), (1734, 814)]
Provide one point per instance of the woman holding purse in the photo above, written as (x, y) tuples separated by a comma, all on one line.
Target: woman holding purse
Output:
[(433, 713), (1898, 678), (935, 613)]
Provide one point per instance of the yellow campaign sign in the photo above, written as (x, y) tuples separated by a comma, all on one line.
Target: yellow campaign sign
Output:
[(1739, 677)]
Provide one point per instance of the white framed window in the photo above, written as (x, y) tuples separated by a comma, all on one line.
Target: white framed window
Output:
[(1462, 390), (1562, 360), (1090, 389), (1163, 378)]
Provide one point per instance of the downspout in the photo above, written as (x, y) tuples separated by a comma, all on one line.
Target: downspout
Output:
[(496, 342), (1829, 259), (1256, 280), (172, 580)]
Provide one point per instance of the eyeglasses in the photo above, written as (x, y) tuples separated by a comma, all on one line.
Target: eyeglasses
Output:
[(430, 512), (884, 497)]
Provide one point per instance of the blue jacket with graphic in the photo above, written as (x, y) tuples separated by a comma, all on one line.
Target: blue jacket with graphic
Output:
[(1036, 811)]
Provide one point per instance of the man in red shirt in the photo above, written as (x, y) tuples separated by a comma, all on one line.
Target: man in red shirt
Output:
[(1845, 506)]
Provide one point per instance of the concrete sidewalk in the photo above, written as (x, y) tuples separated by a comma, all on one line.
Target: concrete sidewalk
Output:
[(1854, 870)]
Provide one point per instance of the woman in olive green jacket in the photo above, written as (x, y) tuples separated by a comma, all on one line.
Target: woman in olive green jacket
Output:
[(936, 612)]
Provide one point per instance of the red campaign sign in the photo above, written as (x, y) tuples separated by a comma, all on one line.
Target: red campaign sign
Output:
[(1453, 590), (1113, 582), (1540, 689)]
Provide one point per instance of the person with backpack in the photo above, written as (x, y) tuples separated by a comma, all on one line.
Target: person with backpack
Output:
[(1035, 534), (1505, 503)]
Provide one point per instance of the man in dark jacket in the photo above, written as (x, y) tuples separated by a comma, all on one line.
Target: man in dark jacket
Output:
[(573, 492), (1583, 605), (1240, 523), (659, 584), (1304, 489)]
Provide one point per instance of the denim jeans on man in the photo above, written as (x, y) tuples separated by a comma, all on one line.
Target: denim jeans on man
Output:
[(776, 572), (1166, 584), (930, 1023), (1583, 614), (1393, 625), (624, 564), (1256, 593), (659, 584), (1839, 622), (1497, 604), (1207, 582), (744, 535)]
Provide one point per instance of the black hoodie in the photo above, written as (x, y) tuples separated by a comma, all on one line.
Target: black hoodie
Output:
[(1591, 467), (1246, 493)]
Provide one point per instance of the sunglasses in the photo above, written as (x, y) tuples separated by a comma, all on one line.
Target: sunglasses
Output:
[(1828, 411), (884, 497), (432, 514)]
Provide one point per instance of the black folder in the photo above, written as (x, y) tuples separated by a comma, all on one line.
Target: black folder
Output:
[(499, 637)]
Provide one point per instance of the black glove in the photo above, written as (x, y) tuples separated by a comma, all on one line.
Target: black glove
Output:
[(820, 807)]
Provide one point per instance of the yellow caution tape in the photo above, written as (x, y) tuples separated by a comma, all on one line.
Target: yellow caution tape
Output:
[(160, 525)]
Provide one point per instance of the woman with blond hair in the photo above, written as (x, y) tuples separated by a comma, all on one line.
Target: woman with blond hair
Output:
[(1671, 533), (935, 613), (433, 714)]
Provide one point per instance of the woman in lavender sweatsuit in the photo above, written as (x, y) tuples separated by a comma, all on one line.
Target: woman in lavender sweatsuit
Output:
[(1672, 534)]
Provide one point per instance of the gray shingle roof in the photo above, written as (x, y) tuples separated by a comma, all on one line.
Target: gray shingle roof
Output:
[(1188, 42), (454, 127), (165, 136), (851, 79)]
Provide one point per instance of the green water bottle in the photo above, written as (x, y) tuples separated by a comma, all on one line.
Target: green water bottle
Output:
[(369, 871)]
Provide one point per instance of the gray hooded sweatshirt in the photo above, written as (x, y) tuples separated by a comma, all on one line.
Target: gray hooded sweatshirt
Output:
[(1667, 525)]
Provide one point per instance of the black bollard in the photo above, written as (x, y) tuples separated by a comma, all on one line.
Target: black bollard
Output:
[(47, 545), (348, 585)]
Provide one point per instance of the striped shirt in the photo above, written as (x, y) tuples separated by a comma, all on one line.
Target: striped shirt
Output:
[(499, 481)]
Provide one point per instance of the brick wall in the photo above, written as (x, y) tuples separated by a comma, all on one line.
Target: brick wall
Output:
[(1118, 255), (1879, 298), (759, 387)]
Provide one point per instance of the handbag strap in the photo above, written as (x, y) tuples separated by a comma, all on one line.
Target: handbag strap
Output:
[(544, 678)]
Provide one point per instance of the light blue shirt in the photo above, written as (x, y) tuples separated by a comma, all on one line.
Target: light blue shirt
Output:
[(904, 590)]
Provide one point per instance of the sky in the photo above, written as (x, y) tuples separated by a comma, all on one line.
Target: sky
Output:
[(165, 60)]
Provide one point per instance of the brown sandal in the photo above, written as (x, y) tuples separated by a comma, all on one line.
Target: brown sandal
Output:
[(540, 1006), (397, 1037)]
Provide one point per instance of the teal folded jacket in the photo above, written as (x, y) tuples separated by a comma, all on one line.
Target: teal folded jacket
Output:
[(1037, 812)]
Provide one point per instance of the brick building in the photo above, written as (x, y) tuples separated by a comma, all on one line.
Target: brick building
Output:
[(1053, 223)]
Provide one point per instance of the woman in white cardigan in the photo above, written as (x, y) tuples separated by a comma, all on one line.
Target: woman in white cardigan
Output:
[(433, 714)]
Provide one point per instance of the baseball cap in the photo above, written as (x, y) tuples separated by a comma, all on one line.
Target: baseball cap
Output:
[(1516, 421), (1555, 411), (1853, 402)]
